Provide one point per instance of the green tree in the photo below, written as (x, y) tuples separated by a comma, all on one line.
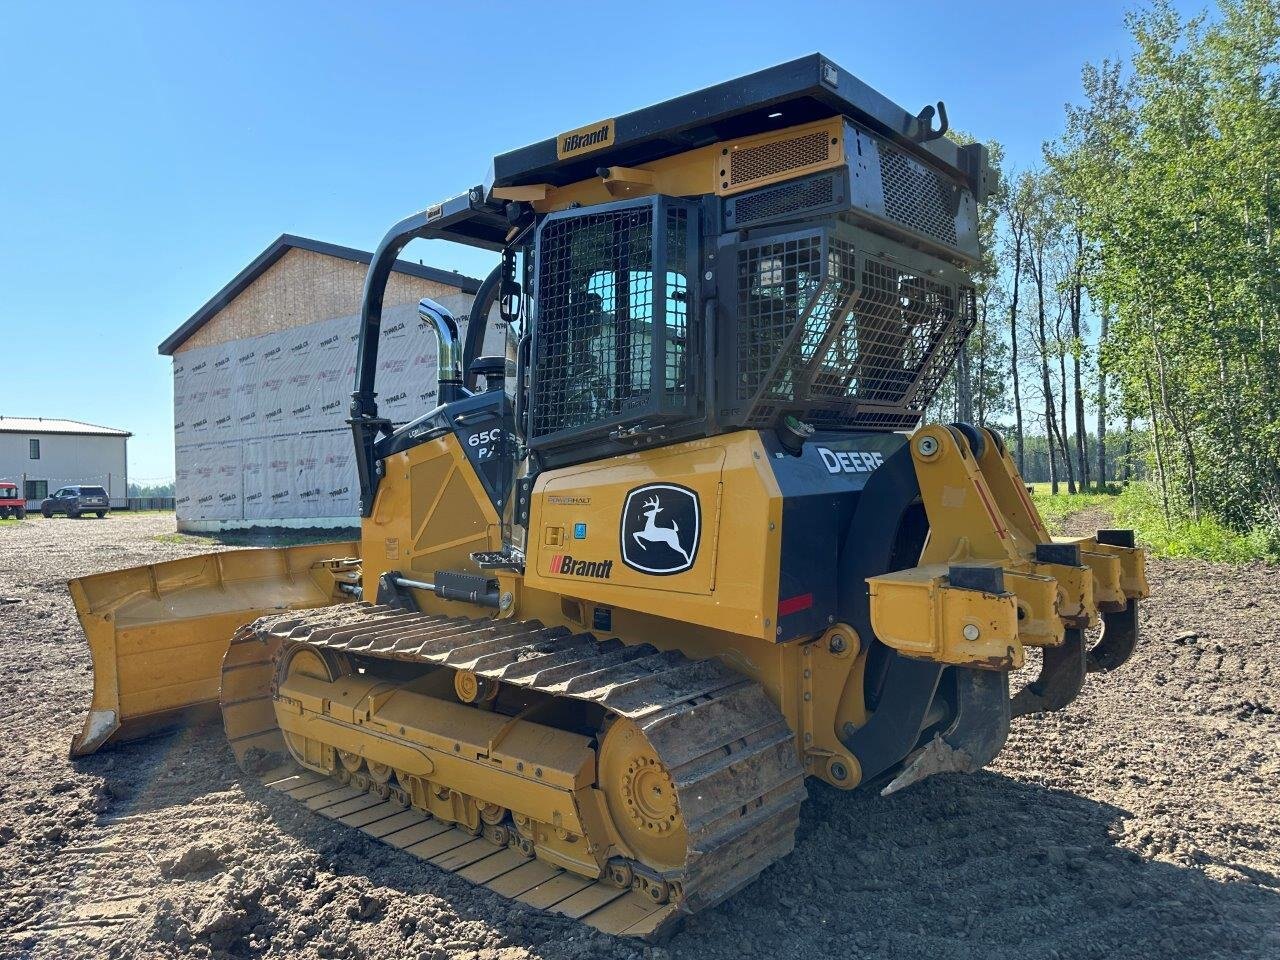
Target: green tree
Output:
[(1171, 174), (974, 390)]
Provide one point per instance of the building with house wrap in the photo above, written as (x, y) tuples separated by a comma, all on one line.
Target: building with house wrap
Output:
[(262, 380)]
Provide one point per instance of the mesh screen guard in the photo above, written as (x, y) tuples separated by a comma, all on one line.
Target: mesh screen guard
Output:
[(916, 196), (841, 328), (611, 334)]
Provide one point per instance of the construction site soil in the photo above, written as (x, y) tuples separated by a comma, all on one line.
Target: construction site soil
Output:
[(1142, 821)]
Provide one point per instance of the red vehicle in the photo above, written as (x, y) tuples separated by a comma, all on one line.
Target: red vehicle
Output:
[(11, 505)]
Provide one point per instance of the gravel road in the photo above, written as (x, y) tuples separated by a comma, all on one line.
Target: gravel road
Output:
[(1143, 821)]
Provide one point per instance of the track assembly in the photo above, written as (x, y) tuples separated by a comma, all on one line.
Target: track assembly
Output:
[(689, 786), (603, 904)]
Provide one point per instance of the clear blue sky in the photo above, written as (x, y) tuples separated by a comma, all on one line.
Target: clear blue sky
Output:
[(151, 150)]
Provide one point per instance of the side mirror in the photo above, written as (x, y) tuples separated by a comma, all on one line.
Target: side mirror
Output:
[(509, 291)]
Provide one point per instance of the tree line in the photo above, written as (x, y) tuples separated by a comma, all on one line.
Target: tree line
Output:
[(1129, 300), (151, 489)]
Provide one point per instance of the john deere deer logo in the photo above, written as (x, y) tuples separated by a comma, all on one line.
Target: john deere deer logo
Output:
[(660, 529), (656, 534)]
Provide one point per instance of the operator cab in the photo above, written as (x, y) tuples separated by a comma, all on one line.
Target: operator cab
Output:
[(788, 252)]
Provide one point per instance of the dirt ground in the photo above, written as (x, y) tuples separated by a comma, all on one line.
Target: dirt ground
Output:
[(1143, 821)]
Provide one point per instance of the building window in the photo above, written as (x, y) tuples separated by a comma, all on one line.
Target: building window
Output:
[(36, 489), (33, 449)]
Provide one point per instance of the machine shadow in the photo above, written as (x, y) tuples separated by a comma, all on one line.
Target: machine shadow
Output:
[(986, 866), (169, 768), (958, 866)]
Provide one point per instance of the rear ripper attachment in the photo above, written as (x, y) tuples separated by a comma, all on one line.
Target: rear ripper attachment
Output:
[(620, 785), (990, 582)]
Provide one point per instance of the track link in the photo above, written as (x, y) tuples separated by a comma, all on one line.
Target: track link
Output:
[(730, 753)]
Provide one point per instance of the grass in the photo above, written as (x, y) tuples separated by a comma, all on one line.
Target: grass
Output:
[(1055, 508), (1138, 506), (1206, 538)]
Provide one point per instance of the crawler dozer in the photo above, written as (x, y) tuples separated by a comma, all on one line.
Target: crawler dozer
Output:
[(685, 548)]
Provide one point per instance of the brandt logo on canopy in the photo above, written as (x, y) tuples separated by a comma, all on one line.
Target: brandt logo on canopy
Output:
[(661, 526), (595, 136)]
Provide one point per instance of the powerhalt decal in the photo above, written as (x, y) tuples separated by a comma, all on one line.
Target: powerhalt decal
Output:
[(661, 526)]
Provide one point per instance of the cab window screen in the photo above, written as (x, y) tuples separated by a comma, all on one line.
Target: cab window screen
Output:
[(610, 341), (595, 317)]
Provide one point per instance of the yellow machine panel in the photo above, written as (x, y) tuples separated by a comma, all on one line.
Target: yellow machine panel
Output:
[(724, 168), (431, 514), (772, 157), (691, 529)]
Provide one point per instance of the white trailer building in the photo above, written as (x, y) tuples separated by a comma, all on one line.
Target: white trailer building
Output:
[(262, 381), (41, 454)]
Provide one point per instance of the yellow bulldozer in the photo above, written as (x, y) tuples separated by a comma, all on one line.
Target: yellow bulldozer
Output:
[(685, 548)]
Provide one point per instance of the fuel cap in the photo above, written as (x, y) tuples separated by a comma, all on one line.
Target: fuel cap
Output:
[(793, 432)]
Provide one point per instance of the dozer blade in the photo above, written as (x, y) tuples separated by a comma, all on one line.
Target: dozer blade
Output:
[(158, 633)]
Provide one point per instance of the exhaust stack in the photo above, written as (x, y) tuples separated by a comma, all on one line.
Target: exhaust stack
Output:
[(448, 350)]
